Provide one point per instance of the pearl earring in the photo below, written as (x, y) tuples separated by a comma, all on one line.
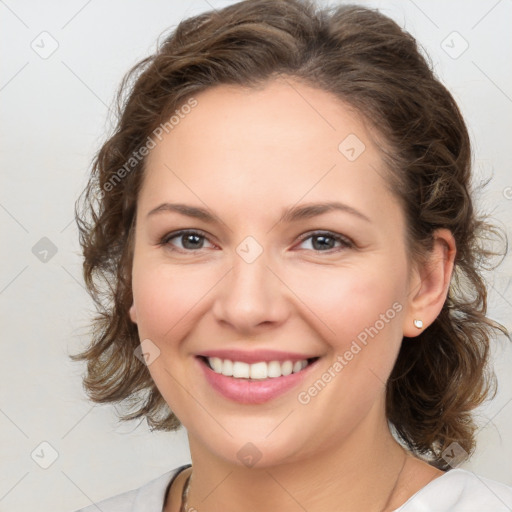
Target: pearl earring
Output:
[(418, 324)]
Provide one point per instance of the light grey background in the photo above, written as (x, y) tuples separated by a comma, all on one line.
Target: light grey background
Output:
[(54, 113)]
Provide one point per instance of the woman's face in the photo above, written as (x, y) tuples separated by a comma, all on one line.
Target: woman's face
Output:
[(265, 276)]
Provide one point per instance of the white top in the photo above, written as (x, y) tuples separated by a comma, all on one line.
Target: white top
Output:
[(458, 490)]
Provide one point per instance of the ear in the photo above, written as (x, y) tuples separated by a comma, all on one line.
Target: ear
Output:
[(133, 313), (429, 284)]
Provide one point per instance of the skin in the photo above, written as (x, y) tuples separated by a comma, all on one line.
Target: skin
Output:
[(246, 156)]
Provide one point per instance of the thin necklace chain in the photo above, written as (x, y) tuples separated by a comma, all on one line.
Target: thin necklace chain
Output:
[(186, 488)]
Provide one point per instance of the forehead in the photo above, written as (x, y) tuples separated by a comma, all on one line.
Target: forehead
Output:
[(282, 114), (281, 142)]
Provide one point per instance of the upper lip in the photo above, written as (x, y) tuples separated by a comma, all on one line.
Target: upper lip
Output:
[(256, 356)]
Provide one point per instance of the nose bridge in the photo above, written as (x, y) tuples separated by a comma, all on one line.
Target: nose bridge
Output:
[(251, 294)]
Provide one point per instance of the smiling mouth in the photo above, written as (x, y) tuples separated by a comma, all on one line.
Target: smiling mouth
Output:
[(258, 371)]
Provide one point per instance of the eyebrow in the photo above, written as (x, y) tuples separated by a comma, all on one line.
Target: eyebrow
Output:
[(292, 214)]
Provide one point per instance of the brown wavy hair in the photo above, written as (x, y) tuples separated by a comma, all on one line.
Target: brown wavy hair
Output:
[(371, 64)]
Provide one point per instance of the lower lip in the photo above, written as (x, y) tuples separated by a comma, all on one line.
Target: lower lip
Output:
[(252, 391)]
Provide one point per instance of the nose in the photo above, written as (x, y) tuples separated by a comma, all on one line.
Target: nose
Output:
[(251, 297)]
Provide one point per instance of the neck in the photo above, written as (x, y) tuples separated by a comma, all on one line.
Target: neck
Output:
[(360, 474)]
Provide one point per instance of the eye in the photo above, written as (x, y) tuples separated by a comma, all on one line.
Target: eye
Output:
[(324, 241), (188, 240), (193, 240)]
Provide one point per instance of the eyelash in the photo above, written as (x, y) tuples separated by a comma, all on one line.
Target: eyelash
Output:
[(346, 242)]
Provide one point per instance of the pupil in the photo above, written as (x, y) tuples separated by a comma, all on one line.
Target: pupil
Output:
[(323, 243), (193, 238)]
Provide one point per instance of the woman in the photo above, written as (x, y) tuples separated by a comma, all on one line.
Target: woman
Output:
[(282, 242)]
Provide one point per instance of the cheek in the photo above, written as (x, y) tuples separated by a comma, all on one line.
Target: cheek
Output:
[(349, 300), (358, 310), (165, 298)]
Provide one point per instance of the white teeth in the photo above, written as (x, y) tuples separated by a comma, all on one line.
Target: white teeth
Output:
[(241, 370), (227, 368), (297, 367), (274, 369), (287, 368), (261, 370), (216, 364)]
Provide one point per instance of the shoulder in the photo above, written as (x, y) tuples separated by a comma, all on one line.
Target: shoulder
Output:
[(460, 490), (149, 497)]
